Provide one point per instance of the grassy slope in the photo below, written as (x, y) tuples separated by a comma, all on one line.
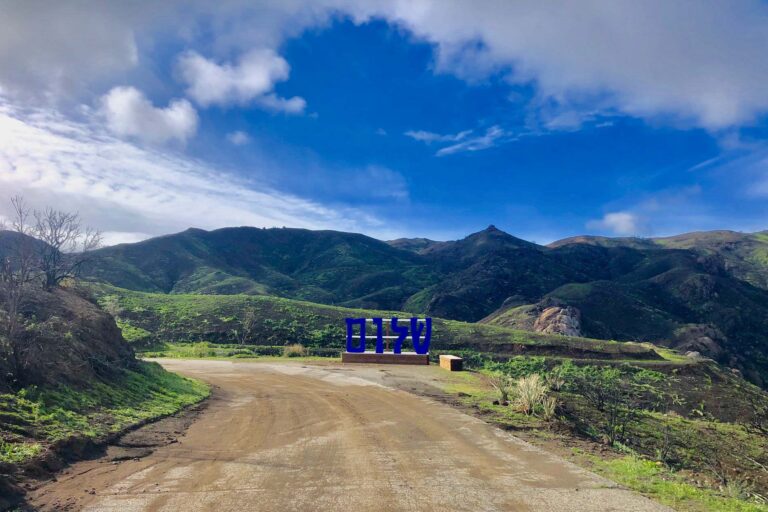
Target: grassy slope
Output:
[(149, 319), (665, 455), (745, 254), (36, 419)]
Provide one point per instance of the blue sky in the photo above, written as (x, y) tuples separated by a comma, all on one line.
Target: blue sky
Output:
[(393, 119)]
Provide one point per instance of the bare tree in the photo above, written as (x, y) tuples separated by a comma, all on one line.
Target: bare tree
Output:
[(247, 326), (17, 272), (66, 245)]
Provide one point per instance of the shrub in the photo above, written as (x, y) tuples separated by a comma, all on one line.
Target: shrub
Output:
[(519, 366), (294, 350), (615, 394), (262, 350), (548, 408), (502, 383), (530, 393), (556, 378), (202, 349)]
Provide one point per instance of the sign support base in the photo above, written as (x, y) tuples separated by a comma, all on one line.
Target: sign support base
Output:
[(385, 358)]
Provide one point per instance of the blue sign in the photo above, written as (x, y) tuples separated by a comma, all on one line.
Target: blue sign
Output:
[(421, 334)]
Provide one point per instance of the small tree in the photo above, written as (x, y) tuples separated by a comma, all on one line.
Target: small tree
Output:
[(615, 395), (17, 270), (247, 326), (65, 247)]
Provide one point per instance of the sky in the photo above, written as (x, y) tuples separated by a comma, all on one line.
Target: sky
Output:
[(418, 118)]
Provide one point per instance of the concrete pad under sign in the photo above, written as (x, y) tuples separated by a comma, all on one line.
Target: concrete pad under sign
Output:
[(385, 358), (451, 363)]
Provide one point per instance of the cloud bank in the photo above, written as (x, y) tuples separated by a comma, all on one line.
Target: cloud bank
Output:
[(680, 60), (133, 192)]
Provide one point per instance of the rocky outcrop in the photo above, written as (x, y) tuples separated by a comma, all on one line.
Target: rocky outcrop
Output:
[(704, 339), (564, 320)]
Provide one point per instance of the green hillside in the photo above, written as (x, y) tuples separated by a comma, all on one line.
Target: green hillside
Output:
[(322, 266), (700, 292), (745, 255), (149, 319)]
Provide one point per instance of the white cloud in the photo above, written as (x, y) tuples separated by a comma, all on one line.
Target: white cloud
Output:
[(252, 79), (238, 138), (129, 113), (656, 59), (429, 137), (702, 64), (275, 103), (492, 137), (462, 141), (618, 223), (133, 192)]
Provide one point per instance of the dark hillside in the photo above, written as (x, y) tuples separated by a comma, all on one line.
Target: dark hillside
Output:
[(67, 339), (486, 268), (417, 245), (322, 266), (745, 255)]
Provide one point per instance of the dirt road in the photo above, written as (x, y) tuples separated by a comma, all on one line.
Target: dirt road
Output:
[(291, 437)]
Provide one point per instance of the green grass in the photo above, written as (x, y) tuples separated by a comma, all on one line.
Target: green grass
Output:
[(35, 417), (133, 334), (15, 453), (206, 350), (664, 486), (686, 446)]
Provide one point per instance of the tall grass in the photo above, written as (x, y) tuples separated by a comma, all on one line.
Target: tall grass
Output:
[(530, 393), (294, 350), (503, 384)]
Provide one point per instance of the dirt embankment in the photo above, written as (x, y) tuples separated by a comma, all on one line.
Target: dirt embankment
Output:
[(300, 437)]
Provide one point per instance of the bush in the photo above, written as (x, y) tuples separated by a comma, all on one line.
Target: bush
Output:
[(502, 383), (617, 395), (548, 408), (556, 378), (519, 366), (323, 351), (294, 350), (266, 350), (530, 393), (202, 349)]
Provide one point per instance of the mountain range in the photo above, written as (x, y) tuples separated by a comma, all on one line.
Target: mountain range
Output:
[(705, 292)]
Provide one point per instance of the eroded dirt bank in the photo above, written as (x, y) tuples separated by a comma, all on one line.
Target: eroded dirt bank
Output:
[(303, 437)]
